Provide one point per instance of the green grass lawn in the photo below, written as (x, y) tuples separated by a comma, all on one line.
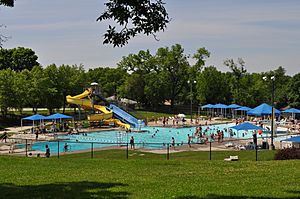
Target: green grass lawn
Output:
[(185, 175)]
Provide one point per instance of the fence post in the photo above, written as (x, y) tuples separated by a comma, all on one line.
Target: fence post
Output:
[(92, 150), (168, 154), (256, 152), (127, 150), (26, 146), (57, 148), (210, 150)]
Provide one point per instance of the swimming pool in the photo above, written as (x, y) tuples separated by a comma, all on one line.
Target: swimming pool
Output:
[(152, 137)]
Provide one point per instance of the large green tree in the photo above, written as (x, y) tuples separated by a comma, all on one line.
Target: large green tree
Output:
[(18, 59), (138, 66), (213, 86), (7, 93), (293, 92), (109, 79), (280, 86), (174, 71), (71, 81), (238, 71)]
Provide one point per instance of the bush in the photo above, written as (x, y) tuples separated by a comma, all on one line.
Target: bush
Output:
[(288, 154)]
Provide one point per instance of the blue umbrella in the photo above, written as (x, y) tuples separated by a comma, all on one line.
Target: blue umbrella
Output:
[(243, 108), (207, 106), (234, 106), (34, 117), (263, 109), (292, 139), (58, 116), (291, 110), (246, 126), (220, 106)]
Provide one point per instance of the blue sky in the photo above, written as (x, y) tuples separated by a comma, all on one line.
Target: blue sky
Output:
[(265, 33)]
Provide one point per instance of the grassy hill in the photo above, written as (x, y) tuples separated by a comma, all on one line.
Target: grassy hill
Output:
[(110, 175)]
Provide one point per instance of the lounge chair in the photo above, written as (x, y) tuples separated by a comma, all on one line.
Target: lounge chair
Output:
[(232, 158)]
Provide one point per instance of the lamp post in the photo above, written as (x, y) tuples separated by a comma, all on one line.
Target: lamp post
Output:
[(191, 83), (273, 111)]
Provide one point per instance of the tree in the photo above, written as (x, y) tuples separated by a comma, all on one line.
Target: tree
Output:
[(53, 98), (139, 66), (18, 58), (212, 86), (238, 71), (293, 92), (70, 81), (38, 88), (201, 55), (174, 71), (109, 79), (22, 84), (7, 94), (155, 90), (9, 3), (133, 16), (143, 16), (280, 86), (133, 88)]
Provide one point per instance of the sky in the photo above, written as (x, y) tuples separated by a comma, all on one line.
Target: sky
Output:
[(265, 33)]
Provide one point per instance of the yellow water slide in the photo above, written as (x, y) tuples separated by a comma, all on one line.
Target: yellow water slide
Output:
[(105, 116)]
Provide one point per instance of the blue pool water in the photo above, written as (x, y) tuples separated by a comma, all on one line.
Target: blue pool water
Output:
[(153, 137)]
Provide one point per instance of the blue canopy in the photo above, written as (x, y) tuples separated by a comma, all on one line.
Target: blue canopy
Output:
[(219, 106), (246, 126), (293, 139), (207, 106), (263, 109), (291, 110), (243, 108), (58, 116), (34, 117), (234, 106)]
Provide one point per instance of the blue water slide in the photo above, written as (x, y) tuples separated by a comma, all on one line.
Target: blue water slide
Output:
[(126, 117)]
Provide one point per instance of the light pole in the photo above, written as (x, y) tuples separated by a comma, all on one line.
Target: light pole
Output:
[(191, 83), (273, 111)]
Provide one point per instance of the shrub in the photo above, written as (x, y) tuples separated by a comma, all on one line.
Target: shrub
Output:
[(287, 154)]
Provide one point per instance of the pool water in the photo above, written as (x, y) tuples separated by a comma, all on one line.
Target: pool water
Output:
[(153, 137)]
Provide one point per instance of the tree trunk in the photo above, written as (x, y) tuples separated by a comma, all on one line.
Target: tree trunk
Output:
[(64, 105)]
